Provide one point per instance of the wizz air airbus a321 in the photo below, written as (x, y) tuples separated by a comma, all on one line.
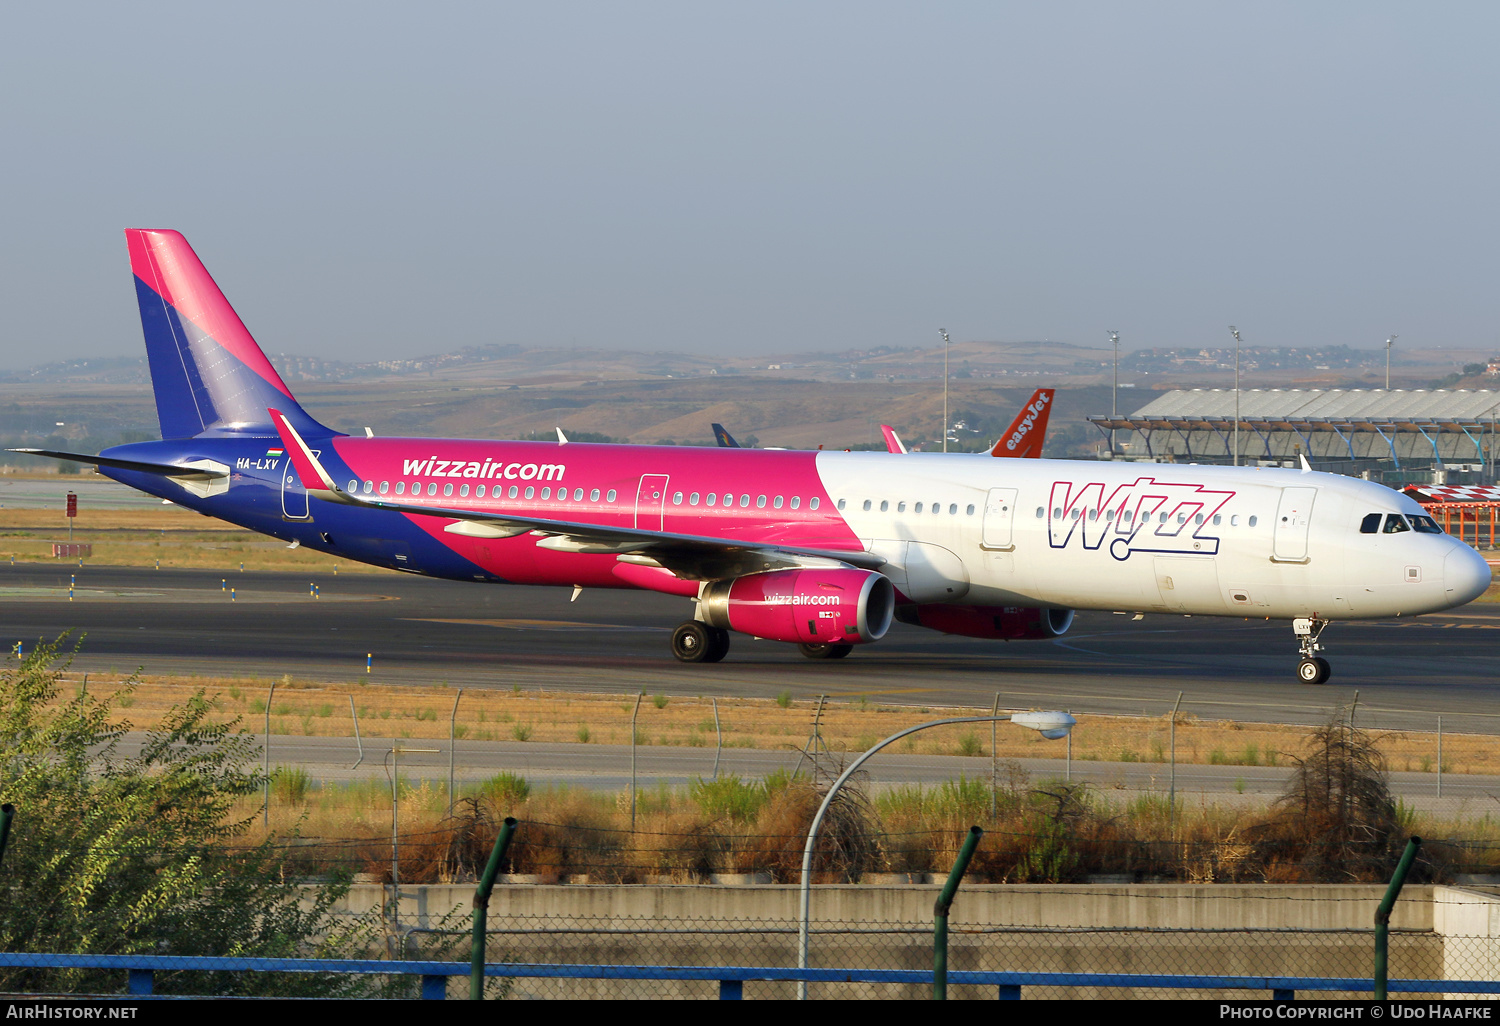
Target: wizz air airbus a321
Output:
[(818, 549)]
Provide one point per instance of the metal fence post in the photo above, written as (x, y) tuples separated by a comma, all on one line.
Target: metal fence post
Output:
[(7, 813), (452, 743), (633, 714), (266, 814), (482, 907), (1383, 914), (940, 914), (719, 733), (138, 981)]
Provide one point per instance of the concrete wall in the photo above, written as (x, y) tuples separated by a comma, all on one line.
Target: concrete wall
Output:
[(1093, 928)]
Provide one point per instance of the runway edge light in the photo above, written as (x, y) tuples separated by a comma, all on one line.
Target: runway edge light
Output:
[(1051, 725)]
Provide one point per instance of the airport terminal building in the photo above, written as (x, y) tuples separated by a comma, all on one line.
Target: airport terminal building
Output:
[(1398, 436)]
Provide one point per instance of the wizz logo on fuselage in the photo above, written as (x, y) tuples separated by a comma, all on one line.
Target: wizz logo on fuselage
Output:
[(1146, 516)]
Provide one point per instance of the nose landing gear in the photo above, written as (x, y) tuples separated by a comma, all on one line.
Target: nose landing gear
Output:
[(1311, 668)]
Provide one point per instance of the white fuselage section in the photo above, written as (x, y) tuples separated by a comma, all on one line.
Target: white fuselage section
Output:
[(1145, 537)]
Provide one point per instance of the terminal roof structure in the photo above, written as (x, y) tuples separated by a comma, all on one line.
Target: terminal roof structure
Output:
[(1353, 423)]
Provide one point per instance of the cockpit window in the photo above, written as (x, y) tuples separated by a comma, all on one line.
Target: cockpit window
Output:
[(1370, 524), (1395, 523), (1425, 525)]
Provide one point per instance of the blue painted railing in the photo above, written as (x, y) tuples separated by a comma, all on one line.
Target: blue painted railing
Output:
[(140, 970)]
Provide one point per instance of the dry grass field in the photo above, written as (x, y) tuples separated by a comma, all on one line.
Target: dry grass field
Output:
[(307, 708), (175, 536)]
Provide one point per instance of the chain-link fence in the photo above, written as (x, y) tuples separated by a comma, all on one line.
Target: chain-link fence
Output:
[(1337, 953)]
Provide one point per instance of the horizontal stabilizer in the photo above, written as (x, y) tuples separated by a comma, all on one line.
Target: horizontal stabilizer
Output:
[(206, 469)]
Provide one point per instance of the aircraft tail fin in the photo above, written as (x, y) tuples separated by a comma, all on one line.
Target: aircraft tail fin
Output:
[(208, 374), (892, 440), (1027, 433), (724, 438)]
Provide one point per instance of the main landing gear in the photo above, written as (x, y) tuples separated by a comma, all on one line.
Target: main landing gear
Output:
[(1311, 668), (825, 651), (696, 642)]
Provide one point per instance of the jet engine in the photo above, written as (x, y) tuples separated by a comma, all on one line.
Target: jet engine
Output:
[(809, 607), (1011, 623)]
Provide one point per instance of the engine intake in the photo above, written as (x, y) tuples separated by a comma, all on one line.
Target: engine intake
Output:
[(1011, 623), (815, 607)]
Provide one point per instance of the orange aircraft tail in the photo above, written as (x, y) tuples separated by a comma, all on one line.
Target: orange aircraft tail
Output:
[(1028, 431)]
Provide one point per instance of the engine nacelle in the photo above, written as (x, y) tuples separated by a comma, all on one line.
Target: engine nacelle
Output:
[(812, 607), (1011, 623)]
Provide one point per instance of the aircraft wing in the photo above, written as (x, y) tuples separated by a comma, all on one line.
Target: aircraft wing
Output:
[(690, 557)]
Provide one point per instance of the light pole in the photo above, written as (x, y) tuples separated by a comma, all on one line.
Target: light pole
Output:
[(945, 388), (1236, 333), (1051, 725), (1388, 343), (1114, 392)]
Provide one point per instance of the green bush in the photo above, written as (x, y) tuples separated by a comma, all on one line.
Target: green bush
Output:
[(140, 854)]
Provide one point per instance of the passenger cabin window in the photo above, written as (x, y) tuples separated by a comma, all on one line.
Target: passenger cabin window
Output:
[(1395, 523), (1370, 524), (797, 501), (811, 503)]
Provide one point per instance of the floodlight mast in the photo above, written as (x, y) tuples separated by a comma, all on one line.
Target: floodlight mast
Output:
[(1236, 333), (1114, 411), (945, 388), (1388, 343)]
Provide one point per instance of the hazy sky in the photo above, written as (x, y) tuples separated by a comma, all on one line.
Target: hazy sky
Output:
[(379, 179)]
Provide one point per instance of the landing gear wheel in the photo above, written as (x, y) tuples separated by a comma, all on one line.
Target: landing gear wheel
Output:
[(692, 642), (1311, 667), (825, 651), (718, 645)]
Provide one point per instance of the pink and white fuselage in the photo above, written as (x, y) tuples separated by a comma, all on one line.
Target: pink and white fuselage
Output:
[(962, 531)]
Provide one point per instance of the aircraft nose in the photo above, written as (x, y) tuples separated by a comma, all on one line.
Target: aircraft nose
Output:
[(1466, 575)]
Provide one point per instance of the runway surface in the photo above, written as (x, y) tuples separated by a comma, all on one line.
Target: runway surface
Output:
[(1407, 672)]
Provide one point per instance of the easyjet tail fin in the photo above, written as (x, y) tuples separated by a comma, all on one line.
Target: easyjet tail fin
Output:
[(208, 374), (1028, 431)]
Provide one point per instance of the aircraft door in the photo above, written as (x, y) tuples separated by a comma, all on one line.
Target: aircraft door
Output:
[(999, 519), (293, 495), (651, 502), (1293, 519)]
